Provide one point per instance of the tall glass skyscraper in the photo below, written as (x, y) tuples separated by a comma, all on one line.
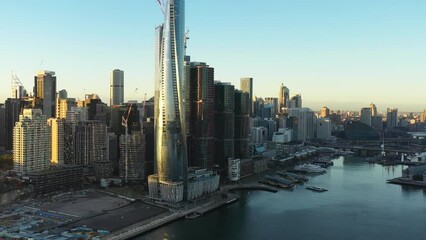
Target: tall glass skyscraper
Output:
[(116, 87), (169, 183)]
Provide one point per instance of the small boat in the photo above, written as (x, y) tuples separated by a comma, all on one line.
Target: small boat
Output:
[(310, 168), (193, 215), (316, 189)]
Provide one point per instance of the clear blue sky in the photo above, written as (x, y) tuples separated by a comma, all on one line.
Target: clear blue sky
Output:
[(340, 53)]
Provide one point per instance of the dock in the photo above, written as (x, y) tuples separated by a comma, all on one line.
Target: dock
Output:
[(408, 182)]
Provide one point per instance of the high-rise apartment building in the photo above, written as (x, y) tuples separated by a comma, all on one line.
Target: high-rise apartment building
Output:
[(283, 98), (246, 85), (366, 115), (170, 182), (302, 123), (45, 89), (392, 117), (31, 142), (64, 105), (135, 157), (116, 87), (201, 145), (90, 143), (57, 140)]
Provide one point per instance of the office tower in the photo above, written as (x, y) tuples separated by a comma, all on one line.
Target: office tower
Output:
[(90, 143), (302, 121), (324, 127), (373, 110), (259, 135), (76, 114), (63, 94), (57, 140), (116, 93), (64, 105), (12, 110), (377, 122), (258, 106), (325, 112), (273, 104), (148, 129), (96, 109), (283, 98), (170, 182), (242, 122), (246, 85), (201, 130), (270, 125), (392, 117), (31, 142), (296, 101), (366, 115), (2, 126), (135, 157), (45, 89), (225, 122)]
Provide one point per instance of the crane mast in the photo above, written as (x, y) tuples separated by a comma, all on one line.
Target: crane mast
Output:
[(124, 123)]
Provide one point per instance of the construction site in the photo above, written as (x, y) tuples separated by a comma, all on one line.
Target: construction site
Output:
[(88, 214)]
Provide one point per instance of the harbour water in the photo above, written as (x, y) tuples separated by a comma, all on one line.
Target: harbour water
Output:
[(359, 205)]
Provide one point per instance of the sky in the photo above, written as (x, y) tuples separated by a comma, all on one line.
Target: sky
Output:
[(343, 54)]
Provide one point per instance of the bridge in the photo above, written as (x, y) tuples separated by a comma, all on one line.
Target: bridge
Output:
[(374, 150)]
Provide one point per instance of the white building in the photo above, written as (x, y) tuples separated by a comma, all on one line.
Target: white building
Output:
[(324, 127), (234, 169), (259, 134), (283, 135), (303, 123), (31, 142)]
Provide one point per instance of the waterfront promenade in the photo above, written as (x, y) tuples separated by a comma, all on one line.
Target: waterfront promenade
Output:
[(160, 220), (217, 200)]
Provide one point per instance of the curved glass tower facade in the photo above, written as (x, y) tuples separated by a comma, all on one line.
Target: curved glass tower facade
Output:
[(171, 157)]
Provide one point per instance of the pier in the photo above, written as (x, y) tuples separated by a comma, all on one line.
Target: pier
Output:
[(408, 182)]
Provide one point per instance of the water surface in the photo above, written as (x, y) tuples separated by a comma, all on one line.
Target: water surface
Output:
[(359, 205)]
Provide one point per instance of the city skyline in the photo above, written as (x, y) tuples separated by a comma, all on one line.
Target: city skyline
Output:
[(376, 47)]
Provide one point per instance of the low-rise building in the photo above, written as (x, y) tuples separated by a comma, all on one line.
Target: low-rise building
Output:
[(55, 179)]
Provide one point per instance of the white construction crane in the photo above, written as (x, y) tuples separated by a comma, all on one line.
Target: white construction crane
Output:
[(18, 89), (162, 6), (124, 123)]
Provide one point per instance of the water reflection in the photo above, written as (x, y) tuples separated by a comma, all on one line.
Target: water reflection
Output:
[(359, 205)]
